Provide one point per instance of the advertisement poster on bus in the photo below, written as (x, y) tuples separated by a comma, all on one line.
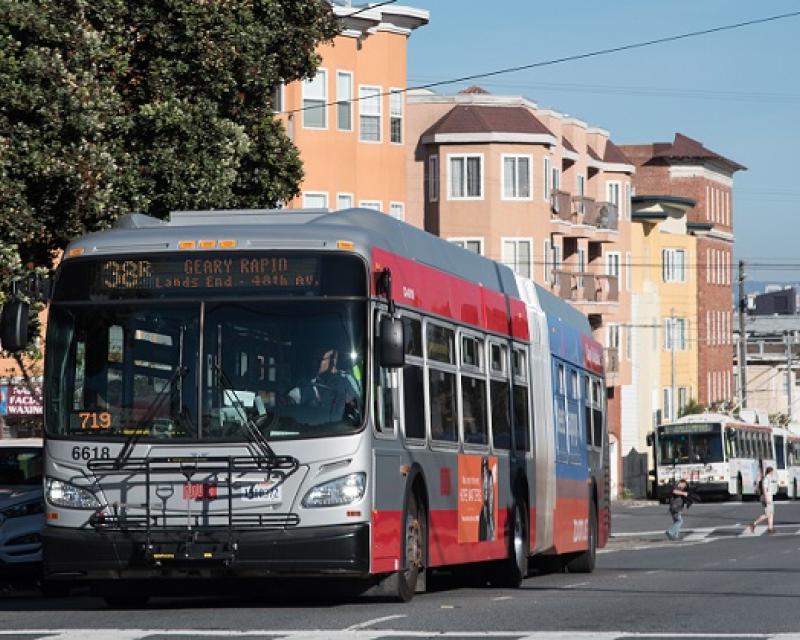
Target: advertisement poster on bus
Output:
[(3, 400), (477, 498)]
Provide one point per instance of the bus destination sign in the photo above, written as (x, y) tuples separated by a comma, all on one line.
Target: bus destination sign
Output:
[(675, 429), (245, 272)]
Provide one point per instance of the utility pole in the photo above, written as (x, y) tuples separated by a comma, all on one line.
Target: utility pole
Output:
[(742, 340), (673, 404), (789, 340)]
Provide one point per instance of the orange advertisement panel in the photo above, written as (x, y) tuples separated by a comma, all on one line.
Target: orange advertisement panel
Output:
[(477, 498)]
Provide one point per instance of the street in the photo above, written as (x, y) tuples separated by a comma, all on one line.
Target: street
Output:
[(719, 579)]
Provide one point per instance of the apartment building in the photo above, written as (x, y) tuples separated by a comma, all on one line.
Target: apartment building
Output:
[(663, 317), (545, 193), (685, 168), (351, 131)]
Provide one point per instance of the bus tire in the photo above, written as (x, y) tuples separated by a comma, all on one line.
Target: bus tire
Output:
[(512, 571), (400, 586), (584, 562)]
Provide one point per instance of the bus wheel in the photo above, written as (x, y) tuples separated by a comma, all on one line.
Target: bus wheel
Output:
[(512, 571), (584, 561), (401, 585)]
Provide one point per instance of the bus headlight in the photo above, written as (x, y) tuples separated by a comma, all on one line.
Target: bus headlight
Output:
[(64, 494), (337, 492)]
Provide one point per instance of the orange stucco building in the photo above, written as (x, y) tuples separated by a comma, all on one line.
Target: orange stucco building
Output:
[(354, 151)]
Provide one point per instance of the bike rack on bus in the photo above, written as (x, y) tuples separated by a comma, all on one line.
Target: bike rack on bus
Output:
[(163, 532)]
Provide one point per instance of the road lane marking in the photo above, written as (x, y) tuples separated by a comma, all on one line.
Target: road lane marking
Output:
[(577, 584), (499, 598), (369, 623)]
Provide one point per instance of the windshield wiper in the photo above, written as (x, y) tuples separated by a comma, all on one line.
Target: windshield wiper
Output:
[(255, 436), (130, 443)]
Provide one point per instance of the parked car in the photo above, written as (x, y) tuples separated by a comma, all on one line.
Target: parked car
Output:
[(21, 505)]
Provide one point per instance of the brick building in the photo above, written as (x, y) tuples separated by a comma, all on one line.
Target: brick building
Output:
[(685, 168)]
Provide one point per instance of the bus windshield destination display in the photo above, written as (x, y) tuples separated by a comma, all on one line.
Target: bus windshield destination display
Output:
[(283, 272), (675, 429)]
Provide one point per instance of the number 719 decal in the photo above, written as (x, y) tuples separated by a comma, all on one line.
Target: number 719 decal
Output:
[(95, 421)]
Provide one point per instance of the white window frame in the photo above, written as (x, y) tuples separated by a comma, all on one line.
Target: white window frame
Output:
[(324, 106), (669, 265), (548, 261), (516, 157), (376, 205), (613, 336), (433, 178), (516, 240), (611, 258), (547, 178), (364, 101), (628, 271), (618, 185), (323, 194), (344, 101), (394, 115), (340, 196), (667, 404), (463, 240), (555, 185), (395, 207), (278, 97), (464, 157)]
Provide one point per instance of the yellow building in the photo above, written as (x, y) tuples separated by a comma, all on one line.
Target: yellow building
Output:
[(663, 335), (349, 120)]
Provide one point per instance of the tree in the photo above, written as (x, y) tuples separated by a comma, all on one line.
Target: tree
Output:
[(109, 106), (690, 408)]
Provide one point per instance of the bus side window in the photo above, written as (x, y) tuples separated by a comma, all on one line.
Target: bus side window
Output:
[(519, 368), (597, 411), (499, 397), (384, 398), (413, 381), (560, 409), (587, 408), (440, 350), (473, 391)]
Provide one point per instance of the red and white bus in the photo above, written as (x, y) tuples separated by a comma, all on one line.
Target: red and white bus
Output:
[(291, 393)]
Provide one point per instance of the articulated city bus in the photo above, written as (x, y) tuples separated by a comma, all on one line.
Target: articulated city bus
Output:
[(298, 393), (720, 455)]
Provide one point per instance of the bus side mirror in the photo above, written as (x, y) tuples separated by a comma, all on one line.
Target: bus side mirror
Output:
[(14, 326), (392, 343), (650, 439)]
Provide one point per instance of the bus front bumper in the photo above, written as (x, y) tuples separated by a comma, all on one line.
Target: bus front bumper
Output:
[(84, 554)]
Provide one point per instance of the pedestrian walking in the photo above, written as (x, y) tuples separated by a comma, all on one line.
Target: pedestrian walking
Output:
[(767, 503), (680, 493)]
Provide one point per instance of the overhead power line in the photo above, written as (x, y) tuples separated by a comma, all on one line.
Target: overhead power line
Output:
[(563, 59)]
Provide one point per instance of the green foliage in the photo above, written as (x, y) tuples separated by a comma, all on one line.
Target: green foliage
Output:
[(690, 408), (111, 106), (780, 419)]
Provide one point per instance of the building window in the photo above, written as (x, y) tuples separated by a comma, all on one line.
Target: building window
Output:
[(369, 111), (315, 200), (626, 202), (667, 406), (612, 193), (612, 337), (517, 255), (344, 200), (683, 398), (470, 244), (344, 100), (315, 96), (548, 262), (628, 270), (612, 263), (433, 178), (276, 98), (397, 210), (675, 334), (466, 177), (546, 172), (556, 178), (377, 205), (396, 116), (516, 172), (673, 265)]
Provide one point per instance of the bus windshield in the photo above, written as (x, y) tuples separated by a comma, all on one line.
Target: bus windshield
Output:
[(701, 444), (292, 368)]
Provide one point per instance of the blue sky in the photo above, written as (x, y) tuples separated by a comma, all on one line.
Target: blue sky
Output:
[(737, 91)]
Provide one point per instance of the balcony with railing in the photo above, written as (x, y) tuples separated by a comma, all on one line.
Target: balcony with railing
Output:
[(579, 286), (581, 210)]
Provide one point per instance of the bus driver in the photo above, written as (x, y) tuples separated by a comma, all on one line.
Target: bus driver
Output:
[(330, 387)]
